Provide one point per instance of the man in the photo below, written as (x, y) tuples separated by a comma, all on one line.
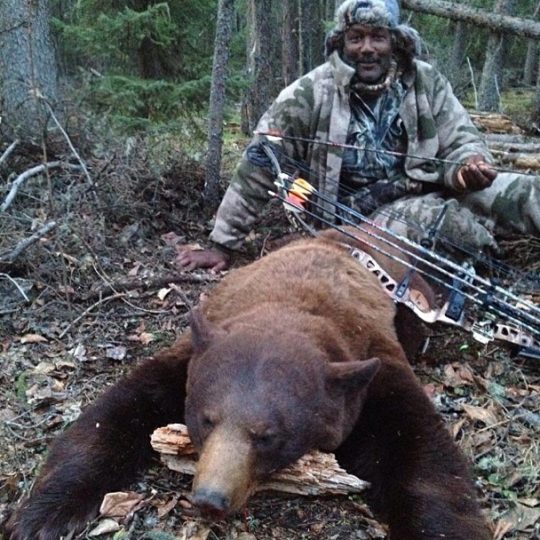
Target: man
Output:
[(373, 93)]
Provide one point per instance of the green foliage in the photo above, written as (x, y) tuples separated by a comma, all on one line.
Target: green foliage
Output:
[(150, 61), (146, 102), (112, 38)]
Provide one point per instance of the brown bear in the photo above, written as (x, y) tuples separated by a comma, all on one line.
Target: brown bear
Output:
[(294, 352)]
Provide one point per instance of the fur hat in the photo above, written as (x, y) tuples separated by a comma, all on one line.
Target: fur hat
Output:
[(384, 13)]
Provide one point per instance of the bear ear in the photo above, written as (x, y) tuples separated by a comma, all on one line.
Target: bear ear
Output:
[(353, 375), (202, 330)]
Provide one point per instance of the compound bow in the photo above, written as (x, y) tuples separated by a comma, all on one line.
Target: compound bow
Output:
[(480, 305)]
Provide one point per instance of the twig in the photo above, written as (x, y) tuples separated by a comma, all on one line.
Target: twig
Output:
[(10, 256), (8, 151), (87, 311), (16, 285), (28, 174), (68, 140), (111, 286), (473, 83), (146, 284)]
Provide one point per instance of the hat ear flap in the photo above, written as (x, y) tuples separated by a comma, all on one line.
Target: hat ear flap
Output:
[(333, 42)]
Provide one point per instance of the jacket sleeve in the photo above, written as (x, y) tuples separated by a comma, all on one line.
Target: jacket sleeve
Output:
[(249, 189), (458, 136)]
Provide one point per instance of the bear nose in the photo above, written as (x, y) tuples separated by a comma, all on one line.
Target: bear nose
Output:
[(212, 504)]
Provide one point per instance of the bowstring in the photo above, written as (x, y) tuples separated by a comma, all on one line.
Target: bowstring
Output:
[(387, 152), (479, 285), (501, 269)]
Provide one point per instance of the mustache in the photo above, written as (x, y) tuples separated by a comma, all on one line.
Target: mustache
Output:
[(368, 59)]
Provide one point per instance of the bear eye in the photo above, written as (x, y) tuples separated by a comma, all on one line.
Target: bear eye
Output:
[(263, 440), (207, 423)]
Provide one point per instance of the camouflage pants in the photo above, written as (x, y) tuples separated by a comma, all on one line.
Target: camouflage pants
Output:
[(511, 203)]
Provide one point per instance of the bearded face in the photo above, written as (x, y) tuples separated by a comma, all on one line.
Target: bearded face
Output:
[(370, 49)]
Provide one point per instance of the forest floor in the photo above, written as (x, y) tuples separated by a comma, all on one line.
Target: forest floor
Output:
[(103, 293)]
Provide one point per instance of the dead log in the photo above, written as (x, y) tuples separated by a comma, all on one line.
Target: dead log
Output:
[(509, 147), (503, 24), (494, 123), (520, 162), (505, 138), (316, 473)]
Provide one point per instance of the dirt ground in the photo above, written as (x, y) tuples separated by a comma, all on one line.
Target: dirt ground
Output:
[(82, 305)]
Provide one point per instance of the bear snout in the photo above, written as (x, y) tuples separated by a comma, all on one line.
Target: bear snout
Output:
[(212, 504), (224, 472)]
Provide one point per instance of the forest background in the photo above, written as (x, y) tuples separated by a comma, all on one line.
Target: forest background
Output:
[(145, 67), (118, 120)]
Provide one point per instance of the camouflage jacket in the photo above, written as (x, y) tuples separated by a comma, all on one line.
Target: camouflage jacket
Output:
[(317, 107)]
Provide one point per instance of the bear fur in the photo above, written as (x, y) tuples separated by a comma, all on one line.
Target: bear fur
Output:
[(295, 352)]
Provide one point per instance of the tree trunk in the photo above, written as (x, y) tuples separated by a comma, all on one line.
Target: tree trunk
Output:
[(536, 114), (257, 98), (459, 47), (489, 93), (211, 194), (531, 60), (28, 70), (458, 12), (310, 39), (289, 40)]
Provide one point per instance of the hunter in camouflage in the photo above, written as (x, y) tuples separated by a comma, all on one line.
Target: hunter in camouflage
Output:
[(374, 93)]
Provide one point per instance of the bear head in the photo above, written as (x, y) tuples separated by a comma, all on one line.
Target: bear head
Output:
[(261, 394)]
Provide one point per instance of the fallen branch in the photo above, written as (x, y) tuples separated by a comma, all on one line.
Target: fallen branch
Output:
[(479, 17), (316, 473), (28, 174), (150, 284), (17, 286), (8, 151), (10, 256), (87, 311), (70, 144)]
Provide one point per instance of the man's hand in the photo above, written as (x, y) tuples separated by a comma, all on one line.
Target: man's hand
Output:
[(475, 175), (202, 258)]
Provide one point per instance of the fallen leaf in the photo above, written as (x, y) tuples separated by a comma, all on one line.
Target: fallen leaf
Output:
[(146, 337), (162, 293), (120, 504), (455, 428), (66, 289), (172, 239), (33, 338), (479, 413), (105, 526), (43, 368), (457, 375), (78, 352), (164, 508), (135, 270), (194, 531)]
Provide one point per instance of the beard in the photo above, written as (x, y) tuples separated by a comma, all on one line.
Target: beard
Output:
[(372, 69)]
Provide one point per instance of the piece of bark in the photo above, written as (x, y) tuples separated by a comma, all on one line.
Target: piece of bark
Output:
[(316, 473)]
